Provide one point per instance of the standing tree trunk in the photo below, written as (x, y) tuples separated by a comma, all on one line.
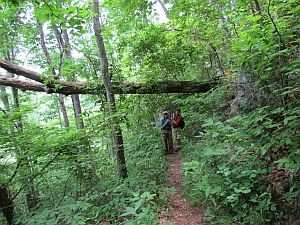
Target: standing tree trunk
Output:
[(75, 97), (77, 111), (64, 44), (32, 195), (6, 204), (60, 96), (4, 97), (118, 137), (64, 110), (163, 6)]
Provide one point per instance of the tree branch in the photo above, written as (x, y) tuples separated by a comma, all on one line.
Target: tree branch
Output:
[(33, 178), (14, 69)]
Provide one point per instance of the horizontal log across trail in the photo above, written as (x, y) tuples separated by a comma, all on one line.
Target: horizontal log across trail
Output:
[(43, 84)]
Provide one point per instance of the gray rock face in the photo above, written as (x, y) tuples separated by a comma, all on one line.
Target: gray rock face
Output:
[(248, 96)]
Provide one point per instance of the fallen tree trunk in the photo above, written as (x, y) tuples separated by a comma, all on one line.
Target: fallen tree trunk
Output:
[(49, 86)]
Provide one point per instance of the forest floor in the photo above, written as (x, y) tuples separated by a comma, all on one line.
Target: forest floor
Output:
[(180, 211)]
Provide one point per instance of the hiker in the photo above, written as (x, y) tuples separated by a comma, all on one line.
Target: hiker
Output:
[(167, 133), (176, 121)]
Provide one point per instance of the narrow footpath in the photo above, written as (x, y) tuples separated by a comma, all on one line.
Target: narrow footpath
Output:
[(180, 212)]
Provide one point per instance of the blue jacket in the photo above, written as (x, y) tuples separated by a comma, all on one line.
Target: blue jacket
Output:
[(168, 126)]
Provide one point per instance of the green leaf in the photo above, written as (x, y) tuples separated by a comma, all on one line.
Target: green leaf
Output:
[(289, 118), (208, 122), (215, 134), (138, 204), (232, 198), (129, 211), (288, 162)]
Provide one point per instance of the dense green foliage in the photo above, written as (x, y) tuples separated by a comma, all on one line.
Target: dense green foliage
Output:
[(243, 166), (246, 168), (76, 175), (248, 165)]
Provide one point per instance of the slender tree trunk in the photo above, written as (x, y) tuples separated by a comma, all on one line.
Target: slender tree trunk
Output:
[(5, 102), (15, 93), (64, 110), (60, 96), (31, 194), (218, 58), (75, 97), (4, 97), (56, 99), (77, 111), (64, 44), (6, 205), (258, 9), (118, 137), (163, 6)]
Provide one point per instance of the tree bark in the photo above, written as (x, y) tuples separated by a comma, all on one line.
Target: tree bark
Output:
[(163, 6), (47, 55), (118, 137), (6, 204), (218, 58), (77, 111), (75, 97), (4, 97), (68, 88), (64, 110), (31, 193)]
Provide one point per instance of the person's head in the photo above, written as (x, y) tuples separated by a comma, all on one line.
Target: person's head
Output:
[(166, 114), (177, 111)]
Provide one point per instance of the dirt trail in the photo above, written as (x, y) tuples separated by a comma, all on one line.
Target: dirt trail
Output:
[(180, 212)]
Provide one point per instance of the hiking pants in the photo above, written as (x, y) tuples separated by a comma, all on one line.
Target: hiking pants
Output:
[(168, 140)]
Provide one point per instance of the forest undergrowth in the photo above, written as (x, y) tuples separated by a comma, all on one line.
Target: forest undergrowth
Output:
[(245, 169)]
